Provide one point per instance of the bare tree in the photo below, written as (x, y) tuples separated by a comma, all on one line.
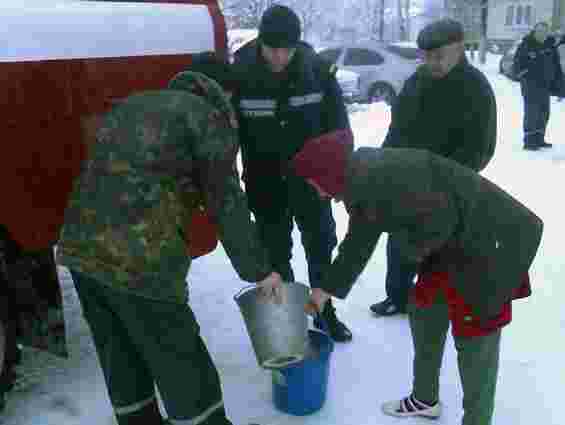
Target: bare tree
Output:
[(310, 12), (370, 19), (382, 20), (402, 33), (245, 13)]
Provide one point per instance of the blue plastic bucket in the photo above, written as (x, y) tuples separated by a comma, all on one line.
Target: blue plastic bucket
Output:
[(300, 389)]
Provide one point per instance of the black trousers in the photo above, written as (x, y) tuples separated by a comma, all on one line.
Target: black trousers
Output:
[(279, 201), (536, 112)]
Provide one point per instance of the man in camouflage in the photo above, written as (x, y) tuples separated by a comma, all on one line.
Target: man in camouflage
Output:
[(159, 156)]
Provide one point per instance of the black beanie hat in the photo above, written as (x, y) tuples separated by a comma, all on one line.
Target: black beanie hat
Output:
[(219, 70), (279, 27)]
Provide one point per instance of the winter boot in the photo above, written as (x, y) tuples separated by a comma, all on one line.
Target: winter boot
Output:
[(387, 308), (336, 329)]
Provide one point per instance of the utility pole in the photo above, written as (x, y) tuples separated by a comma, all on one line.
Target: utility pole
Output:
[(446, 7), (556, 16), (484, 27), (382, 21)]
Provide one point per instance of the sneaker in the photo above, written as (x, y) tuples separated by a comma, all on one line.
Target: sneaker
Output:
[(411, 406), (336, 329), (387, 308)]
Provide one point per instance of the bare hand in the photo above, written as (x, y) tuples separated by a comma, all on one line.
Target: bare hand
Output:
[(318, 299), (272, 289)]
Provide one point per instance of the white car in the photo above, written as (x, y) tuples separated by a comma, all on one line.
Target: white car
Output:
[(382, 68), (350, 84), (238, 37)]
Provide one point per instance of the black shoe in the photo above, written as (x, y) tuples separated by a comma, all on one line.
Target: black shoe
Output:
[(336, 329), (546, 145), (387, 308), (532, 147)]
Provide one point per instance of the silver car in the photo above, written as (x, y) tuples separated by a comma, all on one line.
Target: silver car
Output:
[(350, 84), (382, 68)]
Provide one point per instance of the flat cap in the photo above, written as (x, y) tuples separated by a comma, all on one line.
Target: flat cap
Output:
[(440, 33)]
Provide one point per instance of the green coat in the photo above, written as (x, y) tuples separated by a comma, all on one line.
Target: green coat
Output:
[(444, 215), (158, 155)]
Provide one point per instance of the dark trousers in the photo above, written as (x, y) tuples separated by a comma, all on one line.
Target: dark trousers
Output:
[(399, 275), (276, 202), (536, 112), (142, 343)]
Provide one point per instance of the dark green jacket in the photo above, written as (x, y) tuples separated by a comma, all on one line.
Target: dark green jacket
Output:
[(454, 116), (444, 215), (159, 155)]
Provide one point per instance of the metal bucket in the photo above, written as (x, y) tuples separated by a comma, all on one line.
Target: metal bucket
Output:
[(278, 333)]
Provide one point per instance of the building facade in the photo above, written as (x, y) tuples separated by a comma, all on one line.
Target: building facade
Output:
[(510, 20)]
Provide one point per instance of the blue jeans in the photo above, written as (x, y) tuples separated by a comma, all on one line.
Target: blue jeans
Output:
[(399, 275)]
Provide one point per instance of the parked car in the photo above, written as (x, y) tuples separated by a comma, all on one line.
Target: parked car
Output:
[(505, 66), (238, 37), (382, 68), (506, 62), (350, 83)]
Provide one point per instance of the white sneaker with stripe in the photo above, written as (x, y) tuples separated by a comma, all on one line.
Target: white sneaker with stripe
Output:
[(411, 406)]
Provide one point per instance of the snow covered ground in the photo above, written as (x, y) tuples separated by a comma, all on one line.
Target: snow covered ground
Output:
[(376, 366)]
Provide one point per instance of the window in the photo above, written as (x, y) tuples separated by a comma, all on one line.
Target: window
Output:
[(528, 15), (509, 15), (519, 14), (362, 57), (330, 54)]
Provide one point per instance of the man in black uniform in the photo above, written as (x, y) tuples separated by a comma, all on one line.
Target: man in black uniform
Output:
[(447, 107), (287, 95), (538, 68)]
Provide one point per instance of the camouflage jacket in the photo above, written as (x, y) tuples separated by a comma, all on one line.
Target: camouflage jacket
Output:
[(157, 156)]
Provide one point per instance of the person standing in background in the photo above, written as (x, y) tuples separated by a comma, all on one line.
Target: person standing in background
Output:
[(537, 66)]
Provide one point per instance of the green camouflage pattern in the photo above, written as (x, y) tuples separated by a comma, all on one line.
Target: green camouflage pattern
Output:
[(157, 157)]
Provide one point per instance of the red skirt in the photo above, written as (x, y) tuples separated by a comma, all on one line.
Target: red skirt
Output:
[(463, 321)]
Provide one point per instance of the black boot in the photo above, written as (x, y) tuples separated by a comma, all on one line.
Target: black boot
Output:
[(387, 308), (336, 329)]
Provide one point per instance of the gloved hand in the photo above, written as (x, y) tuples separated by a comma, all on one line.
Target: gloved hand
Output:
[(272, 289)]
